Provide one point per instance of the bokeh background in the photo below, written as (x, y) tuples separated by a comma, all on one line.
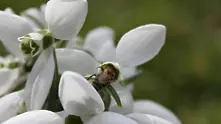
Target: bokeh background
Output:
[(186, 75)]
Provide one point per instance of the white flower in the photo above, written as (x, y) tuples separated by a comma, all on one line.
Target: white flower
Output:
[(80, 98), (36, 117), (10, 105), (135, 47), (64, 19)]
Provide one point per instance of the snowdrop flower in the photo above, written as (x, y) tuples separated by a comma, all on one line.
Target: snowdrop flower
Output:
[(63, 23), (12, 27), (146, 37), (153, 108), (10, 105), (79, 97), (36, 117), (135, 118), (135, 48)]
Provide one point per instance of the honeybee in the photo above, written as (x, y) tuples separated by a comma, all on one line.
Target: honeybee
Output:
[(107, 74)]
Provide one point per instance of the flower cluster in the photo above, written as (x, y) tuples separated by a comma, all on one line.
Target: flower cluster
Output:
[(54, 74)]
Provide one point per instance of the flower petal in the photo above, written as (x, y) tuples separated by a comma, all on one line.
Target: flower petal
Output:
[(129, 72), (65, 18), (77, 61), (147, 119), (35, 13), (153, 108), (106, 52), (62, 114), (37, 68), (119, 87), (10, 105), (8, 77), (126, 100), (78, 96), (9, 10), (12, 27), (97, 37), (42, 85), (75, 43), (140, 44), (110, 118), (36, 117)]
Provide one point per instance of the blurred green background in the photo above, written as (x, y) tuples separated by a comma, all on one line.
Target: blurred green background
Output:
[(186, 75)]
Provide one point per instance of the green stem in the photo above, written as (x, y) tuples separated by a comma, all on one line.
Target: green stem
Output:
[(53, 95)]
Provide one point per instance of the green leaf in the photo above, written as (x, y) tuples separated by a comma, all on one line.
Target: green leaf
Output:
[(106, 98), (114, 94)]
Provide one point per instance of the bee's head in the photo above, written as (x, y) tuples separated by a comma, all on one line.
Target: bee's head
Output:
[(111, 69)]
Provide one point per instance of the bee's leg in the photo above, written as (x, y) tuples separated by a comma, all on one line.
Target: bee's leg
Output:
[(88, 78)]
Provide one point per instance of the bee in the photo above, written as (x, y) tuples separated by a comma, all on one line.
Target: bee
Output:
[(108, 73)]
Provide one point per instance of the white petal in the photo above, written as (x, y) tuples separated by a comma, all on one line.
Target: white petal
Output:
[(147, 119), (9, 105), (128, 72), (42, 85), (106, 52), (97, 37), (76, 43), (35, 13), (12, 27), (7, 77), (77, 61), (78, 96), (62, 114), (33, 24), (36, 117), (65, 18), (140, 44), (110, 118), (153, 108), (126, 100), (119, 87), (37, 68), (9, 10)]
